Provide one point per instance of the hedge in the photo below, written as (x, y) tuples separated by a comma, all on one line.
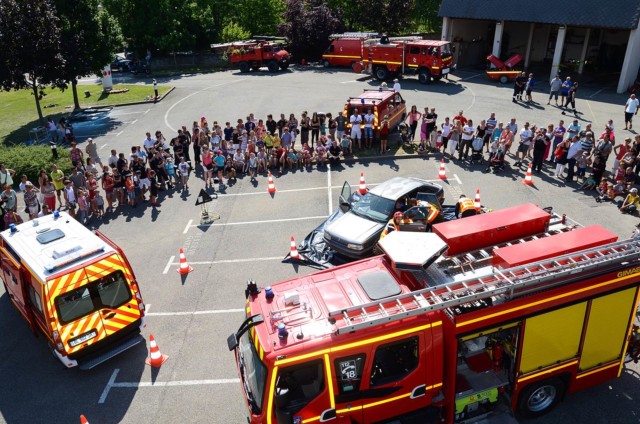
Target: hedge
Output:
[(29, 160)]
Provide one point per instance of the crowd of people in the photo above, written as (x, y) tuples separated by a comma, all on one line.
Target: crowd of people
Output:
[(253, 147)]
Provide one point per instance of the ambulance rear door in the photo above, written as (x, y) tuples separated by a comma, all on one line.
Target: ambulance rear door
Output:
[(11, 269)]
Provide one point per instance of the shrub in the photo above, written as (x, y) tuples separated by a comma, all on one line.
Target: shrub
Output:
[(234, 32), (29, 160)]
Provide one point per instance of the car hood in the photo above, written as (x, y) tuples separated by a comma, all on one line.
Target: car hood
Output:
[(351, 228)]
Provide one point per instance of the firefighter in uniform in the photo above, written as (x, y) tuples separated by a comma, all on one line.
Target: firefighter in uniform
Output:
[(465, 207), (393, 224)]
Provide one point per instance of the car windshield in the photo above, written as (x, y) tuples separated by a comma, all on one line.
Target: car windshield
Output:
[(254, 372), (111, 291), (374, 207)]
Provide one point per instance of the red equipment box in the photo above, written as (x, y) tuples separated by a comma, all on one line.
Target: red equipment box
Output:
[(548, 247), (488, 229)]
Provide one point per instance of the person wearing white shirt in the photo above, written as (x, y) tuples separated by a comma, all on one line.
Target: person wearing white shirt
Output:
[(396, 85), (368, 128), (630, 109), (525, 142), (148, 142), (466, 140), (572, 155), (356, 132)]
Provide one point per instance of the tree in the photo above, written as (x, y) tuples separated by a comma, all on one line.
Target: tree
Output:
[(89, 37), (30, 54), (308, 25), (233, 32), (393, 17), (427, 16)]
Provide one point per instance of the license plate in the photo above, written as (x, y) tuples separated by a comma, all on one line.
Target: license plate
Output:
[(88, 336), (445, 71)]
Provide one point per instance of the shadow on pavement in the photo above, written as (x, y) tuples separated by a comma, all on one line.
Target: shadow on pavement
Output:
[(37, 388)]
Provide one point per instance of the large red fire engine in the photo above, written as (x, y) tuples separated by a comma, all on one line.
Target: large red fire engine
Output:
[(430, 59), (517, 307), (251, 55)]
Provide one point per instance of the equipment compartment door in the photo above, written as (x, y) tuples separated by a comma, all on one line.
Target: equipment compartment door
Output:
[(11, 277)]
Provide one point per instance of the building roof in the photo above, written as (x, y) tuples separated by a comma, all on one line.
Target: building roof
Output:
[(587, 13)]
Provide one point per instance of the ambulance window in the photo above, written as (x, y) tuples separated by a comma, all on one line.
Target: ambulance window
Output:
[(74, 304), (298, 385), (349, 373), (393, 361), (414, 50), (113, 290), (35, 299)]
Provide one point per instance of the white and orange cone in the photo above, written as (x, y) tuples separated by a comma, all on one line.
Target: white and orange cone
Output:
[(294, 250), (363, 187), (528, 179), (155, 359), (83, 420), (476, 201), (443, 173), (184, 268), (271, 187)]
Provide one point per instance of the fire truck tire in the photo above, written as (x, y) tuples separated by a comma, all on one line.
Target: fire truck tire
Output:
[(437, 77), (273, 66), (326, 63), (424, 77), (539, 398), (504, 79), (381, 73), (244, 67)]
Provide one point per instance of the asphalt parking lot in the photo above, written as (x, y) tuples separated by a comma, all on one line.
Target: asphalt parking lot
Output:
[(191, 317)]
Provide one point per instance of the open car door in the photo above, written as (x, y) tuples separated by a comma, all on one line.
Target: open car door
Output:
[(416, 219), (345, 197)]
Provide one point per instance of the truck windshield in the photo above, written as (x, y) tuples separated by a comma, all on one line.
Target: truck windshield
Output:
[(111, 291), (374, 207), (445, 51), (253, 371)]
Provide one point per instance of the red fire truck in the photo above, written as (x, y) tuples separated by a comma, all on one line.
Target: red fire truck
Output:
[(346, 49), (511, 311), (251, 55), (430, 59)]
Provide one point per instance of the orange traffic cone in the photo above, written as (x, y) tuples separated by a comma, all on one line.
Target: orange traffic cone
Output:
[(272, 187), (155, 359), (476, 201), (442, 174), (83, 420), (184, 268), (363, 188), (294, 250), (528, 179)]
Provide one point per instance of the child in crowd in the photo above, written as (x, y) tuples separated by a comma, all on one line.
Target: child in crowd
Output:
[(253, 166), (153, 188), (184, 167), (346, 144), (262, 161), (230, 170), (170, 168), (589, 183), (581, 163), (99, 202)]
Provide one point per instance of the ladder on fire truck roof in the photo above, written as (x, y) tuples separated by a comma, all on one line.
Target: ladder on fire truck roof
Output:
[(356, 35), (557, 224), (505, 283)]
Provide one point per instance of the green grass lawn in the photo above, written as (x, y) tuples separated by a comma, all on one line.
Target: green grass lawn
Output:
[(18, 112)]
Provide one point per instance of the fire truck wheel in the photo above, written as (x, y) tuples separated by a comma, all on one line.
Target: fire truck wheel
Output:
[(382, 73), (504, 79), (424, 78), (539, 398), (273, 66), (437, 77), (244, 67), (284, 65), (326, 63)]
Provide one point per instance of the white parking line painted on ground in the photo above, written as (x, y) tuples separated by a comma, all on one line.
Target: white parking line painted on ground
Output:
[(103, 146), (118, 135), (107, 388), (223, 261), (166, 268), (134, 121), (138, 384), (296, 190), (146, 111), (329, 188), (267, 221), (188, 226), (348, 82), (596, 93), (166, 114), (146, 308), (457, 178), (212, 312)]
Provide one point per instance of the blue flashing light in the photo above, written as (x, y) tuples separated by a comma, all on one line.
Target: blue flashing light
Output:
[(282, 331), (268, 291)]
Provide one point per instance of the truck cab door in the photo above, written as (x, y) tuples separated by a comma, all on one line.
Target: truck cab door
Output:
[(348, 392), (412, 58), (399, 377)]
